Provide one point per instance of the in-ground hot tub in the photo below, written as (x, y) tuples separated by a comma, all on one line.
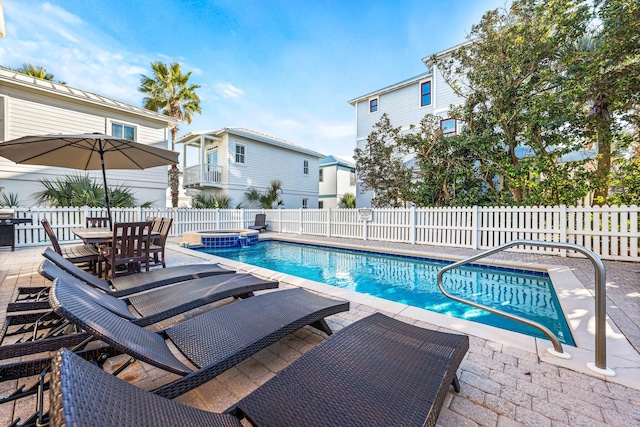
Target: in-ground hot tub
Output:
[(221, 238)]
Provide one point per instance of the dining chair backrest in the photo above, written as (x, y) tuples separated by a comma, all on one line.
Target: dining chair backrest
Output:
[(92, 222), (133, 240), (156, 223), (51, 235), (164, 230), (130, 247)]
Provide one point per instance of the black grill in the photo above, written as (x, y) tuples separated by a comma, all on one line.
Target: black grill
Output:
[(7, 231)]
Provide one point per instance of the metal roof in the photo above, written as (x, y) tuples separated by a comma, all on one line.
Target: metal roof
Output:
[(55, 88), (390, 88), (331, 160), (194, 136)]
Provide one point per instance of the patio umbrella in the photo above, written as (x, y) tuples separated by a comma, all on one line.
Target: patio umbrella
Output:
[(89, 151)]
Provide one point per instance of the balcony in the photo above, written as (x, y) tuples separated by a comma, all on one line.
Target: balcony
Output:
[(206, 175)]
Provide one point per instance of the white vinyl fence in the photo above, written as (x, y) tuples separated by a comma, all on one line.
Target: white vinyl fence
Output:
[(609, 231)]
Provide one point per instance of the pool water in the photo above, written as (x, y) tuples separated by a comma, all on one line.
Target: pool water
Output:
[(412, 281)]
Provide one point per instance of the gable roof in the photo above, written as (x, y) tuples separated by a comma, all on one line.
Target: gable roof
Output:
[(426, 61), (390, 88), (194, 136), (15, 78)]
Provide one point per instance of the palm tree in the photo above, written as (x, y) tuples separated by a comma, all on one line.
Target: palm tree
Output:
[(348, 200), (168, 91), (205, 201), (268, 199), (80, 190), (35, 71)]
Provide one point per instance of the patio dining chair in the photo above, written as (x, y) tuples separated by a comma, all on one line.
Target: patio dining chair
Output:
[(77, 254), (377, 371), (260, 223), (157, 246), (96, 222), (212, 342), (128, 250)]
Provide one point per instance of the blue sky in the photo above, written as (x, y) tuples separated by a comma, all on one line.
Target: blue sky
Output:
[(284, 68)]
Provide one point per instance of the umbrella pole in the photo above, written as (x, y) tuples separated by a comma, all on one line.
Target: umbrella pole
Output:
[(106, 189)]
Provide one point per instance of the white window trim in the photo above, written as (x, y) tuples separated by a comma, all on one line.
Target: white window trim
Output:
[(235, 152), (110, 122), (308, 168), (430, 105)]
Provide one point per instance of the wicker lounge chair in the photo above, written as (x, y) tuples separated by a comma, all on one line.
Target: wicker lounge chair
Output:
[(213, 341), (260, 223), (35, 298), (49, 332), (375, 372)]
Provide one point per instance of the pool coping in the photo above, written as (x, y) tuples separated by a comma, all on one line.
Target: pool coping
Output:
[(576, 301)]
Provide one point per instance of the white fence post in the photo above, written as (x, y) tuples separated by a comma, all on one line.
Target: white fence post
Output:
[(329, 222), (476, 214), (563, 228), (413, 225), (300, 222)]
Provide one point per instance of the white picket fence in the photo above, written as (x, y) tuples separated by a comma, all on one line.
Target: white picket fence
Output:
[(609, 231)]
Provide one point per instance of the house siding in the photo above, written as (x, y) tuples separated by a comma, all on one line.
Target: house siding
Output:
[(30, 112), (445, 96), (402, 106), (265, 163)]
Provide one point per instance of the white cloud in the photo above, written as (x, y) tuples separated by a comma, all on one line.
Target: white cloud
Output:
[(62, 14), (229, 91)]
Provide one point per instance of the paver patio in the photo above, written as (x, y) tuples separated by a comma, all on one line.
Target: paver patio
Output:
[(501, 384)]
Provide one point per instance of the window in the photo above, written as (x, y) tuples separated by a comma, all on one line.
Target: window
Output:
[(425, 93), (321, 175), (305, 167), (448, 126), (352, 178), (123, 131), (373, 105), (320, 204), (305, 203), (241, 154)]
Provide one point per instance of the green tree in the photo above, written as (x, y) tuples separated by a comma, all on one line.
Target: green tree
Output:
[(603, 68), (382, 167), (268, 199), (513, 79), (80, 190), (348, 201), (445, 172), (169, 92)]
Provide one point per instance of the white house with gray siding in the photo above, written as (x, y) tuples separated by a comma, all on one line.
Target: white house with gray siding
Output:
[(337, 178), (32, 106), (232, 160), (405, 103)]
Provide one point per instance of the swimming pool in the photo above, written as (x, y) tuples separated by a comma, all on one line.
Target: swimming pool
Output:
[(412, 281)]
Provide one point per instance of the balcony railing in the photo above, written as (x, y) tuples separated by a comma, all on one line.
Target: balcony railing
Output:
[(193, 175)]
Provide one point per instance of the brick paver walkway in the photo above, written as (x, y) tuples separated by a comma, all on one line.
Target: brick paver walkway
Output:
[(501, 385)]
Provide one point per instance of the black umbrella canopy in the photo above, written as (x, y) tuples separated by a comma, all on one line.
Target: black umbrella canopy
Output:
[(90, 151)]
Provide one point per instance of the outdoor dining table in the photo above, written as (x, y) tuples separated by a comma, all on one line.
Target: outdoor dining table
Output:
[(98, 235)]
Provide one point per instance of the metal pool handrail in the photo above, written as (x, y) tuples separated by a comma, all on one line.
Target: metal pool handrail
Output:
[(600, 365)]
